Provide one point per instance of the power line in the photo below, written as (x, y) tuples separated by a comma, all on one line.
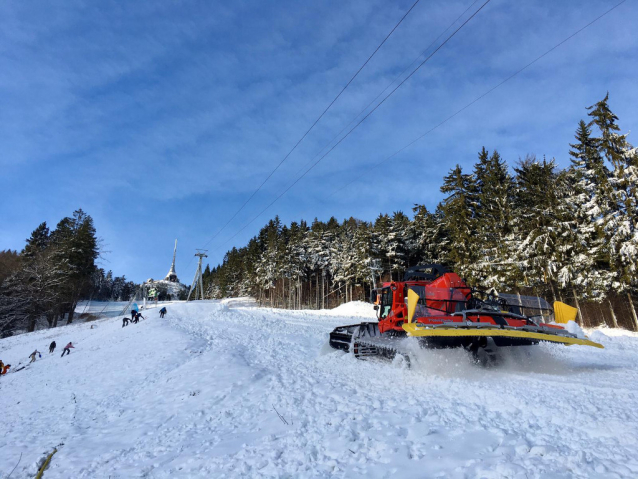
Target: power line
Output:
[(313, 125), (423, 52), (359, 123), (386, 88), (480, 97), (460, 110)]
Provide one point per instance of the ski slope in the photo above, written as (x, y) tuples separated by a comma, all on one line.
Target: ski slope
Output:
[(225, 389)]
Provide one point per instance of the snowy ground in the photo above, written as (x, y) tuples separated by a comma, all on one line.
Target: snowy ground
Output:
[(200, 394)]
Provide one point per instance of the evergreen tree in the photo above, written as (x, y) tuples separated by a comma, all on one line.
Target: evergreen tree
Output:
[(250, 261), (458, 219), (380, 241), (319, 247), (611, 145), (398, 244), (10, 262), (493, 215), (584, 258), (342, 259), (75, 249), (620, 223), (294, 260), (536, 223), (427, 237), (268, 265), (365, 267), (37, 242)]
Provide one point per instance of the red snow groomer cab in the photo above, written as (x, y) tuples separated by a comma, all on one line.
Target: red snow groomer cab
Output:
[(437, 307)]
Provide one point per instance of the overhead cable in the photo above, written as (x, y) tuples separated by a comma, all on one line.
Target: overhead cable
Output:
[(359, 123), (327, 145), (483, 95), (313, 125)]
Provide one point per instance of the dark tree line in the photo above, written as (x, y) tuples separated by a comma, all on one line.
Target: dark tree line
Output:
[(55, 270), (566, 234), (106, 287)]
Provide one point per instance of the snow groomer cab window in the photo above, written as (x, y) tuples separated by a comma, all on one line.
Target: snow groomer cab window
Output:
[(386, 303)]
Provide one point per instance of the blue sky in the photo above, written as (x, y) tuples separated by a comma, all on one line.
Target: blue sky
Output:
[(160, 118)]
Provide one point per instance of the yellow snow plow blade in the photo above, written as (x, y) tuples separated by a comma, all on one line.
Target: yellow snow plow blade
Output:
[(413, 299), (564, 313), (413, 330)]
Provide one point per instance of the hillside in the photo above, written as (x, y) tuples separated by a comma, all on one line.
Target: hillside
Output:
[(225, 389)]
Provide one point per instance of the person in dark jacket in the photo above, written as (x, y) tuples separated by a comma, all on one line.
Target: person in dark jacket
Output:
[(125, 321), (162, 312), (138, 315), (67, 349), (52, 347)]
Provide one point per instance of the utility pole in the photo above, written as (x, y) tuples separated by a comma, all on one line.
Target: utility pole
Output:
[(198, 283)]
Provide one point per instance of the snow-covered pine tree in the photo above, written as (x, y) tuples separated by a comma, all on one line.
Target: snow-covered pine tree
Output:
[(397, 246), (267, 270), (458, 220), (612, 145), (624, 240), (74, 251), (426, 233), (295, 261), (250, 257), (493, 193), (582, 266), (621, 221), (117, 288), (231, 273), (604, 205), (330, 234), (535, 223), (342, 264), (380, 236), (106, 289), (317, 259), (365, 266)]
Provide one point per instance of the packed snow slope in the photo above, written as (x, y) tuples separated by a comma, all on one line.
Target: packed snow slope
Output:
[(230, 390)]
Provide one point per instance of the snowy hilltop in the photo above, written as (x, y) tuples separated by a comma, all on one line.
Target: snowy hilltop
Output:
[(226, 389), (169, 290)]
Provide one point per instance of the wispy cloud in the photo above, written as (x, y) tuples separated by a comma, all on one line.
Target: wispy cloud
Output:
[(160, 118)]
